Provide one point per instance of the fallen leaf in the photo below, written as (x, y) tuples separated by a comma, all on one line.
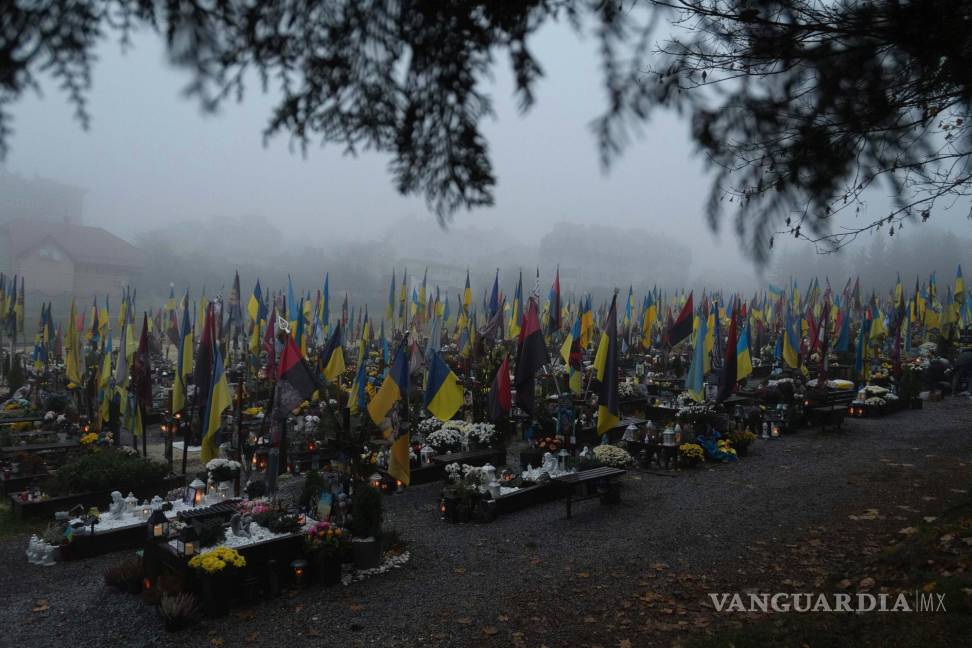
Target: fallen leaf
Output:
[(490, 631), (583, 574), (590, 619), (216, 641), (464, 621), (908, 531), (460, 570), (356, 607), (503, 618), (312, 632), (40, 605), (929, 518), (866, 584), (624, 643)]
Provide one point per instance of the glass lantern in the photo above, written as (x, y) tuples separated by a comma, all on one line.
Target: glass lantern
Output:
[(187, 542), (131, 503), (195, 492), (157, 525), (375, 481)]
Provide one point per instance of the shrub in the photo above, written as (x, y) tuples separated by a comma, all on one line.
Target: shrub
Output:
[(277, 521), (124, 573), (178, 610), (104, 470), (256, 489), (314, 484), (211, 532)]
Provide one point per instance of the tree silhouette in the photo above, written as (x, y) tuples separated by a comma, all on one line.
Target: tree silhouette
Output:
[(800, 106)]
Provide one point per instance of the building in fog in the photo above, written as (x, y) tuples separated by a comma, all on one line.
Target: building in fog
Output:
[(42, 239)]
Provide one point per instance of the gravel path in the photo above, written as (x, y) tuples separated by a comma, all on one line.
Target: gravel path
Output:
[(534, 577)]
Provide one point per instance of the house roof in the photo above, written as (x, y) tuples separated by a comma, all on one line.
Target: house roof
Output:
[(83, 244)]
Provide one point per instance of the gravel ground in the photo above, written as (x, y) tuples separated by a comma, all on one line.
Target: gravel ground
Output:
[(534, 577)]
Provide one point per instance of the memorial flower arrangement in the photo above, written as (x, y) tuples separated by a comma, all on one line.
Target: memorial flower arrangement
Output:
[(690, 453), (324, 537), (221, 470), (444, 439), (216, 560), (626, 389), (481, 433), (726, 447), (613, 456), (742, 438), (429, 425), (549, 444), (89, 438)]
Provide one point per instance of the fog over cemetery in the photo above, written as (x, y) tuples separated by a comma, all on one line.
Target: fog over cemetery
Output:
[(540, 324)]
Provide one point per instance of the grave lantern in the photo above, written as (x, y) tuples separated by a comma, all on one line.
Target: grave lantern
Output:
[(375, 481), (131, 503), (298, 568), (187, 542), (195, 492), (157, 525), (427, 453)]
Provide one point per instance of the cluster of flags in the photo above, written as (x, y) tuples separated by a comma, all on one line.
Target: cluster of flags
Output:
[(296, 340)]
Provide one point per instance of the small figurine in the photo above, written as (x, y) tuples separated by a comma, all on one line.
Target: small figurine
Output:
[(240, 524), (118, 505)]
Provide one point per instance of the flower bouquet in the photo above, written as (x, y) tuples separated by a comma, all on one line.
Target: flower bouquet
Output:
[(613, 456), (690, 454)]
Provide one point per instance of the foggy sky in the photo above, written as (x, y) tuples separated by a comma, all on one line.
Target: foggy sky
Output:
[(152, 157)]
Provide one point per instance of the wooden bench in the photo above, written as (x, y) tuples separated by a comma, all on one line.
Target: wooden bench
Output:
[(827, 409), (604, 478)]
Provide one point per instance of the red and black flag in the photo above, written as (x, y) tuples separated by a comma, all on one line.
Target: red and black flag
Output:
[(531, 356), (203, 365), (142, 368), (295, 381), (682, 327), (727, 379), (500, 397), (553, 316)]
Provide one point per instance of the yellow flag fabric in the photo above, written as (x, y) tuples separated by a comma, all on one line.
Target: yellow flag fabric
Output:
[(600, 359), (399, 466), (219, 400)]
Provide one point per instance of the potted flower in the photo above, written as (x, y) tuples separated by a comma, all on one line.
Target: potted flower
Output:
[(366, 527), (217, 569), (610, 455), (224, 473), (690, 455), (741, 440), (323, 543)]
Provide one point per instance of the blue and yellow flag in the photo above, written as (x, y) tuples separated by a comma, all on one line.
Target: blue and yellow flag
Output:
[(695, 380), (744, 362), (443, 395), (183, 362), (219, 400), (394, 387)]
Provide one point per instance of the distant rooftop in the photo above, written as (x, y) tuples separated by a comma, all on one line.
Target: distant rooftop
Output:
[(84, 245)]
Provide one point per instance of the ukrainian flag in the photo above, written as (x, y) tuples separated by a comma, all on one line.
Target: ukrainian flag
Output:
[(219, 400), (694, 381), (791, 342), (333, 356), (744, 363), (443, 395), (394, 387), (183, 363)]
